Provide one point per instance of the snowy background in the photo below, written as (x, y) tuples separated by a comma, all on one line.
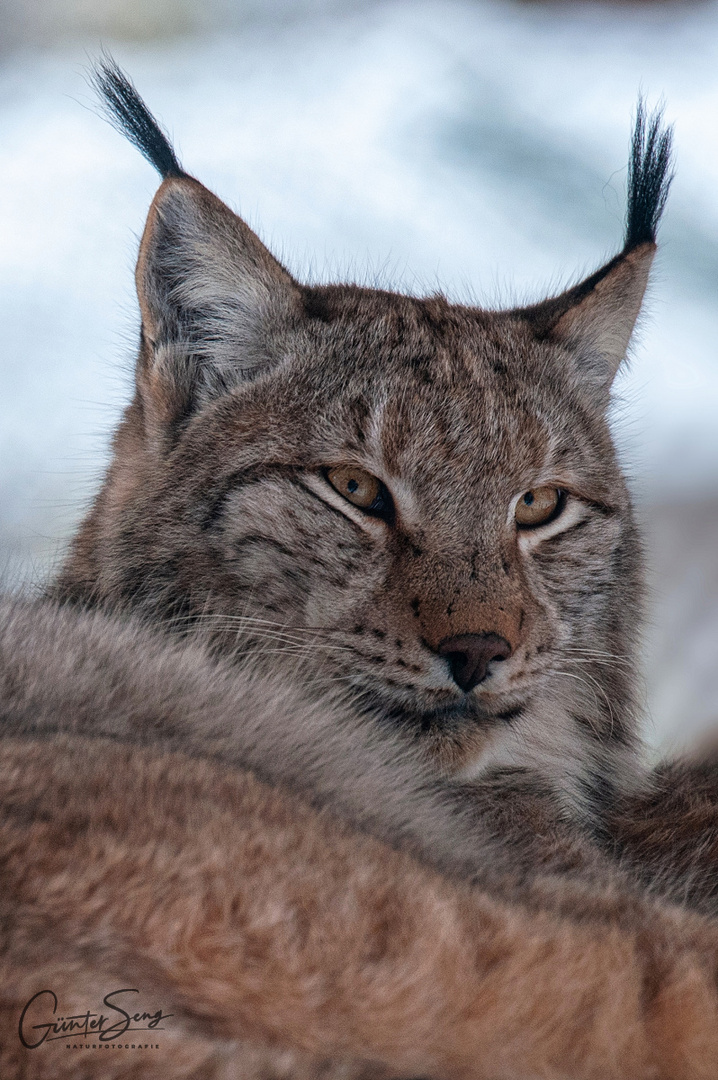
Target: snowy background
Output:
[(477, 146)]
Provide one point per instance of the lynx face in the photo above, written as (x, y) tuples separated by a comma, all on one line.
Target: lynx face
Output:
[(454, 413), (415, 499)]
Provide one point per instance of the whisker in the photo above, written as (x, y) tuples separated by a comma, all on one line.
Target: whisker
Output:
[(255, 633), (578, 678), (587, 658), (597, 653), (255, 621)]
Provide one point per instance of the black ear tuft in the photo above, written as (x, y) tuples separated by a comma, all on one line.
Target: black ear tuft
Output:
[(127, 112), (649, 176)]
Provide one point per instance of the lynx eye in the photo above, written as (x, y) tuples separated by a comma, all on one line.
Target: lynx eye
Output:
[(360, 488), (539, 506)]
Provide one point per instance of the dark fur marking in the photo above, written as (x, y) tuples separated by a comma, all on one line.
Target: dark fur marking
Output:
[(316, 305), (601, 793), (328, 505), (433, 313), (649, 180), (259, 540), (236, 479), (589, 727), (511, 714)]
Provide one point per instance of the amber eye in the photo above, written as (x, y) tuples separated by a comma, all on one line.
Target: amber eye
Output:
[(539, 506), (360, 488)]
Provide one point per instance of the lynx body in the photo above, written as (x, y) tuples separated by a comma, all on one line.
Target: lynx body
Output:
[(325, 735)]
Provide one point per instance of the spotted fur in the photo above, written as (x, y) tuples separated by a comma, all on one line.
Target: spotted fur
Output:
[(282, 877), (234, 714), (216, 512)]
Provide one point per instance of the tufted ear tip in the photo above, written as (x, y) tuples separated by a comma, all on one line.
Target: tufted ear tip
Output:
[(650, 176), (596, 318), (206, 284), (127, 112)]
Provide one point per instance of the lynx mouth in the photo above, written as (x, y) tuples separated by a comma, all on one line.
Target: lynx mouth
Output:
[(453, 718)]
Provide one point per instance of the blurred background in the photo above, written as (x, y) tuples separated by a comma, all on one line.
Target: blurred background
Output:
[(479, 146)]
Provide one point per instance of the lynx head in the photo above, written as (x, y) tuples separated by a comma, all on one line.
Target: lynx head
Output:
[(417, 499)]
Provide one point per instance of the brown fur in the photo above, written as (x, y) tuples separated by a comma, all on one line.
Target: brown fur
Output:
[(666, 834), (251, 916), (290, 823), (215, 513)]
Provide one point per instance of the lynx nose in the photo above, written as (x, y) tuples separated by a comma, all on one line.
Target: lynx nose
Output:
[(469, 656)]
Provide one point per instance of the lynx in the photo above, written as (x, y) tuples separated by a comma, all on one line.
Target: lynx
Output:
[(421, 497), (325, 737)]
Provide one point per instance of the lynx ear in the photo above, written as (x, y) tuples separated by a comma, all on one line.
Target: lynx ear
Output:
[(207, 286), (595, 320)]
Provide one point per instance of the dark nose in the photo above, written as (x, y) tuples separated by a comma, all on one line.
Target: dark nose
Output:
[(469, 656)]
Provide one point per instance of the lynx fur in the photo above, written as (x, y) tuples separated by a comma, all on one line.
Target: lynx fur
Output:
[(354, 788)]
